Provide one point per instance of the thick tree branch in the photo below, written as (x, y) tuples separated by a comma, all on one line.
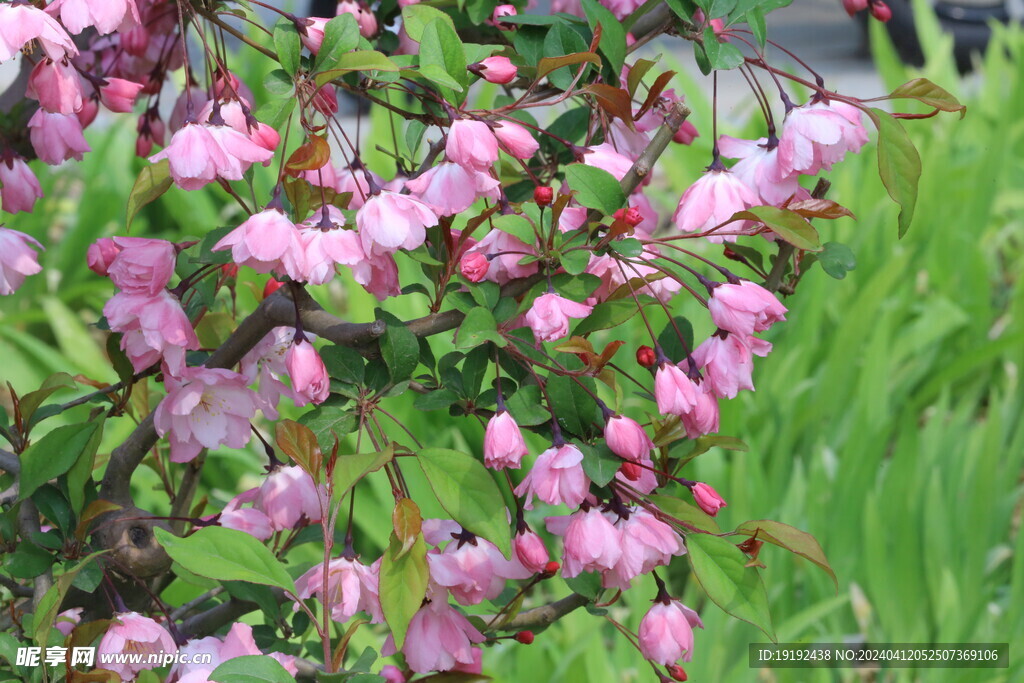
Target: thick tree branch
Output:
[(9, 462), (545, 615)]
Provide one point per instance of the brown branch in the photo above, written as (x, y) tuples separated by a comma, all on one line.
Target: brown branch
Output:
[(545, 615), (774, 280), (9, 462)]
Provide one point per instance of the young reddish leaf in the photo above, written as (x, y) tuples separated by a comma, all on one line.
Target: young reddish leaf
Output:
[(788, 225), (790, 538), (654, 93), (899, 165), (820, 208), (299, 443), (926, 92), (576, 345), (615, 101), (549, 64), (316, 153)]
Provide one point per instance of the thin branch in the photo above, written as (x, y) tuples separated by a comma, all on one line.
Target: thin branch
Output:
[(545, 615)]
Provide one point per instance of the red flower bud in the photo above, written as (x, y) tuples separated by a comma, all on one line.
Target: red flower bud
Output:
[(474, 266), (543, 195), (630, 216), (645, 356), (881, 11), (630, 470), (271, 287), (551, 568), (677, 672), (525, 637), (230, 269)]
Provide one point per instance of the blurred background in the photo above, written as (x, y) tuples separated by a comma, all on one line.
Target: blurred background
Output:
[(886, 422)]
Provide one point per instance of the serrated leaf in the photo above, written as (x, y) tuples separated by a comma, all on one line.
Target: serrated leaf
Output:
[(55, 454), (684, 512), (341, 34), (607, 315), (613, 36), (328, 422), (599, 463), (721, 56), (399, 348), (837, 259), (926, 92), (416, 17), (343, 363), (477, 328), (527, 406), (441, 46), (288, 45), (300, 444), (226, 555)]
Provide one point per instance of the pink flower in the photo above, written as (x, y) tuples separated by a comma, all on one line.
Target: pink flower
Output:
[(703, 419), (133, 633), (647, 542), (242, 121), (727, 361), (473, 266), (142, 266), (711, 201), (154, 327), (389, 221), (556, 477), (106, 15), (467, 569), (516, 140), (311, 31), (471, 144), (549, 316), (310, 382), (450, 188), (351, 587), (250, 520), (607, 158), (744, 308), (686, 134), (199, 154), (508, 251), (675, 393), (498, 69), (17, 259), (378, 276), (57, 87), (438, 639), (266, 241), (503, 442), (287, 495), (56, 137), (20, 24), (666, 632), (204, 408), (759, 168), (20, 187), (265, 363), (364, 17), (326, 245), (530, 551), (627, 438), (119, 95), (392, 674), (68, 619), (592, 543), (817, 135), (707, 498)]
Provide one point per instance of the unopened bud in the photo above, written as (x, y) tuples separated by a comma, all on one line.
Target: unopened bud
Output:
[(551, 568), (630, 470), (271, 287), (677, 672), (474, 266), (645, 356), (525, 637), (543, 195), (230, 269), (881, 11), (630, 216)]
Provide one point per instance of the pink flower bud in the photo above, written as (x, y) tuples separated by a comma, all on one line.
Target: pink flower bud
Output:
[(500, 12), (854, 6), (707, 498), (675, 393), (516, 140), (101, 254), (549, 316), (472, 145), (497, 69), (392, 674), (364, 17), (57, 87), (530, 551), (119, 95), (87, 114), (881, 11), (645, 356), (503, 442), (288, 494), (313, 38), (474, 266), (627, 438), (744, 308), (686, 134), (666, 632), (543, 195), (309, 376)]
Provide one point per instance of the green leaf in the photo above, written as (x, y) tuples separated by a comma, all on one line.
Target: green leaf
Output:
[(275, 112), (559, 42), (349, 469), (926, 92), (403, 584), (684, 512), (790, 538), (279, 83), (720, 568), (440, 46), (467, 492), (416, 17), (721, 56), (477, 328), (226, 555), (437, 75), (595, 188), (252, 668), (674, 347), (606, 316), (399, 347), (574, 261), (153, 181), (899, 165), (27, 562), (613, 37), (576, 410), (288, 45), (49, 605), (55, 454), (329, 421), (360, 60), (517, 226), (81, 471), (700, 56), (344, 363), (341, 34), (31, 401), (600, 463), (527, 407), (789, 225), (837, 259)]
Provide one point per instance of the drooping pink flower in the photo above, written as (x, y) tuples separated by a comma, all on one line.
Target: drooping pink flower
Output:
[(516, 140), (154, 327), (471, 144), (592, 543), (20, 186), (56, 137), (378, 276), (118, 95), (142, 266), (310, 382), (647, 542), (351, 587), (556, 477), (728, 363), (132, 633), (707, 498), (389, 221), (467, 569), (496, 69), (744, 308), (199, 154), (817, 135), (265, 364), (237, 116), (711, 201), (289, 493), (106, 15), (759, 168), (703, 419), (325, 245), (20, 24), (311, 31), (675, 393), (627, 438), (666, 632), (530, 551), (439, 637), (250, 520), (503, 442), (204, 408), (507, 251), (450, 188), (17, 259), (267, 241), (56, 85), (607, 158), (549, 316), (364, 17)]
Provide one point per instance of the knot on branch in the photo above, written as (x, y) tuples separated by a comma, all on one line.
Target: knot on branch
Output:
[(134, 550)]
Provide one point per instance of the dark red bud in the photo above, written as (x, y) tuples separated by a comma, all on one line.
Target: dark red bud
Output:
[(271, 287), (525, 637), (551, 568), (881, 11), (230, 269), (630, 470), (677, 672), (632, 217), (543, 195), (645, 356)]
